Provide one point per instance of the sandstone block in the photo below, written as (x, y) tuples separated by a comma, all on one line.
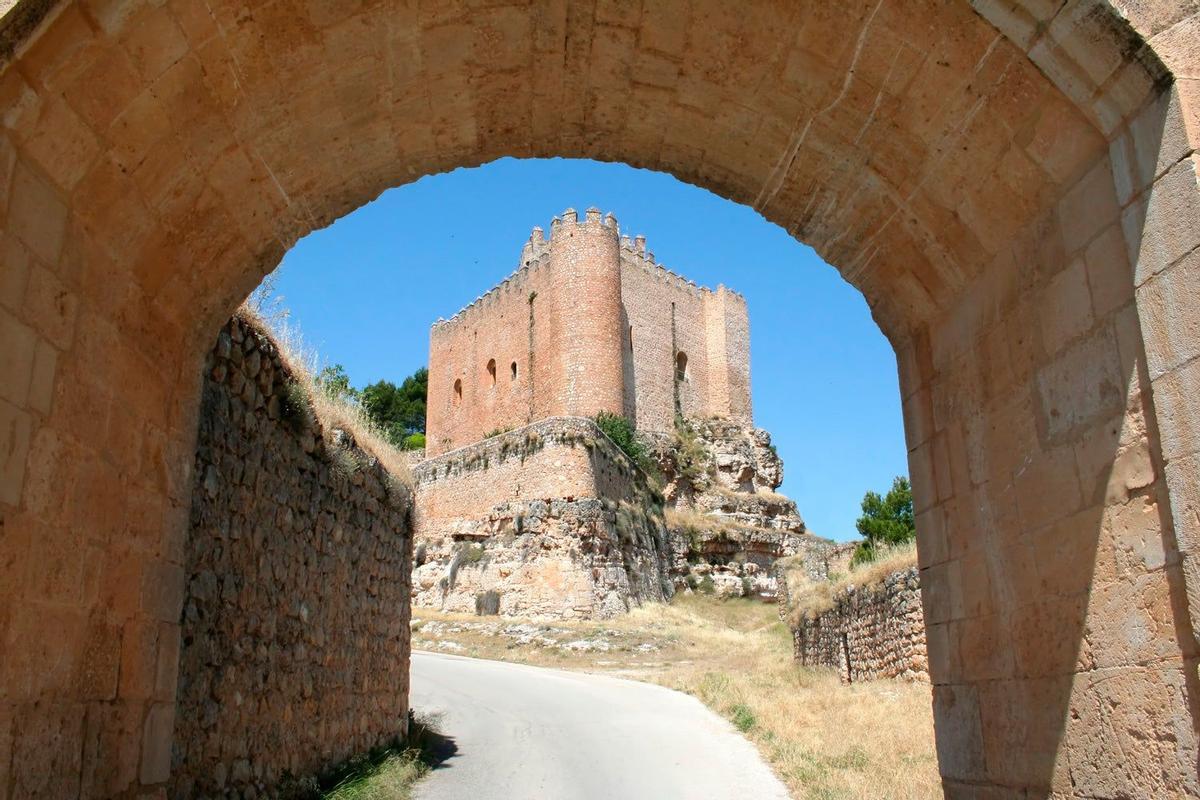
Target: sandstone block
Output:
[(1164, 225), (1175, 396), (1169, 308), (15, 433)]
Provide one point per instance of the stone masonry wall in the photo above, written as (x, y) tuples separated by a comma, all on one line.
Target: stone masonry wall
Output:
[(546, 520), (875, 631), (588, 322), (295, 640), (665, 315)]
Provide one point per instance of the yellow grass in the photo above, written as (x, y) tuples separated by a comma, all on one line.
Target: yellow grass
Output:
[(693, 520), (333, 413), (807, 598), (825, 740)]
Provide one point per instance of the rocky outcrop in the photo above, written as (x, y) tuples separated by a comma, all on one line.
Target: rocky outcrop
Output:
[(728, 525), (295, 631), (549, 520)]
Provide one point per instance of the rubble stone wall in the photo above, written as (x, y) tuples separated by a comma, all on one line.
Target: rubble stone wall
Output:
[(875, 631), (295, 638), (547, 520)]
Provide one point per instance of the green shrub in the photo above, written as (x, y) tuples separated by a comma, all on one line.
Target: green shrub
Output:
[(414, 441), (620, 430), (487, 603), (471, 553), (623, 435), (295, 409), (691, 457), (885, 522), (706, 585), (743, 717)]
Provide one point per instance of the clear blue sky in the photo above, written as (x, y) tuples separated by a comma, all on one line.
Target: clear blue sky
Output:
[(365, 290)]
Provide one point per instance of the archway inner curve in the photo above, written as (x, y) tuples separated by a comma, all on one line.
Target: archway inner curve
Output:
[(161, 158)]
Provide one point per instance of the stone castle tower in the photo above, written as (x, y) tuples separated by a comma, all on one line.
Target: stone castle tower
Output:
[(588, 323)]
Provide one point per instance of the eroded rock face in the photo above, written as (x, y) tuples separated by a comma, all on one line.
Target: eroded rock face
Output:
[(728, 525), (727, 470), (569, 558)]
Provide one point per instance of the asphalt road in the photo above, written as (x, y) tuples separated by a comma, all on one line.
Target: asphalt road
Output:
[(527, 733)]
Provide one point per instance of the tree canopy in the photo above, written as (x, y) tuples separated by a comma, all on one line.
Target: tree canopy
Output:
[(398, 411), (886, 521)]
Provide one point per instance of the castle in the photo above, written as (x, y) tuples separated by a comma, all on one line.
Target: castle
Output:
[(588, 323), (525, 507)]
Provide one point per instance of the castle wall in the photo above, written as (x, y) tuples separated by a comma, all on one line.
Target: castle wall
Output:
[(497, 328), (665, 315), (589, 323), (295, 630), (547, 520), (556, 319)]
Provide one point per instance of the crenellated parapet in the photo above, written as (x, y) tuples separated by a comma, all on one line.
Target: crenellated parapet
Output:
[(589, 321), (635, 254), (535, 255)]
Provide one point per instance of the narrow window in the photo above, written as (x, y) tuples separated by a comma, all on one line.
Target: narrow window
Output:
[(492, 370), (631, 338), (458, 392), (681, 367), (513, 367)]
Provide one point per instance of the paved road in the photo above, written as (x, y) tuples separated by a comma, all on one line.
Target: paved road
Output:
[(526, 733)]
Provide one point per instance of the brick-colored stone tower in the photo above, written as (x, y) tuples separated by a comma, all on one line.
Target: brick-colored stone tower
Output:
[(588, 323)]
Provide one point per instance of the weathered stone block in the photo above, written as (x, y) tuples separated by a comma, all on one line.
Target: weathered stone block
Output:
[(1164, 225), (1169, 308), (15, 434), (960, 743), (1175, 396), (156, 743)]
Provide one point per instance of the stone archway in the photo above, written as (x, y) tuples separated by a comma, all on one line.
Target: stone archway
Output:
[(1012, 186)]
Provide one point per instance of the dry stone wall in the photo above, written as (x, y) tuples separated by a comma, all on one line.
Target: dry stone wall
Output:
[(874, 631), (295, 638), (547, 520)]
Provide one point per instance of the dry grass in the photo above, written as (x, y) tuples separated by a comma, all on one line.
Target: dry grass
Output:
[(826, 741), (390, 773), (689, 520), (807, 598), (391, 779), (303, 362)]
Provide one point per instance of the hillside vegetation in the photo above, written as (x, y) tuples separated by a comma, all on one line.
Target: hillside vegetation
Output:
[(808, 598)]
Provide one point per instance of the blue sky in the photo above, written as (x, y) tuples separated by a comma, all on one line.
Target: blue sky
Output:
[(365, 290)]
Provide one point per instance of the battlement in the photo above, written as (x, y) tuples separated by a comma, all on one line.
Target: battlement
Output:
[(588, 322), (536, 252)]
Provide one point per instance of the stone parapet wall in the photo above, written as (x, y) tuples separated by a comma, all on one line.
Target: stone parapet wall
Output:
[(295, 639), (875, 631), (548, 520), (553, 458)]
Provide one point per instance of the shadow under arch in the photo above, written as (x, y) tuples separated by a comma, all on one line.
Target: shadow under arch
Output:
[(161, 158)]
